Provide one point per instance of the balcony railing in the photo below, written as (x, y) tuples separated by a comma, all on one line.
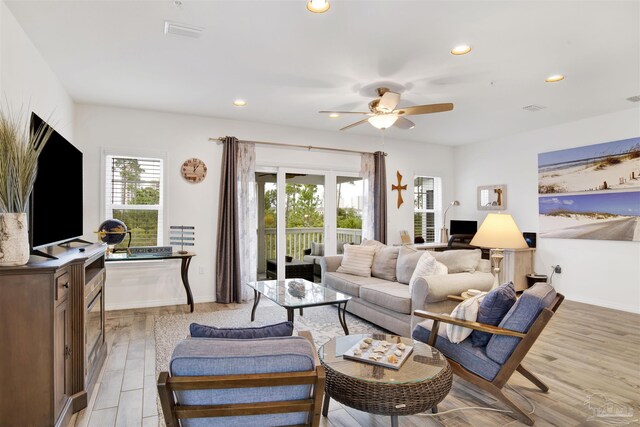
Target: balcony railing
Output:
[(299, 239)]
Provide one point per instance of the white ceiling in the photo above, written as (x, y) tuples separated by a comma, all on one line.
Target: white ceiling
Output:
[(288, 63)]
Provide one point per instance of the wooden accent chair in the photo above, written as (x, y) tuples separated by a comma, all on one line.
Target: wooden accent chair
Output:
[(491, 366), (249, 382)]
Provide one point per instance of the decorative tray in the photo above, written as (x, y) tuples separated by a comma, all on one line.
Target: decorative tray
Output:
[(379, 352)]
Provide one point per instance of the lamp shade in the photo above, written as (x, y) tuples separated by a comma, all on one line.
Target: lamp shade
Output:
[(499, 231)]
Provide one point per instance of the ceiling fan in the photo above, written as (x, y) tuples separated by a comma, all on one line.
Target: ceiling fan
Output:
[(384, 114)]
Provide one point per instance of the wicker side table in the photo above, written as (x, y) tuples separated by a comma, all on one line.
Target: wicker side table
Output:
[(420, 384)]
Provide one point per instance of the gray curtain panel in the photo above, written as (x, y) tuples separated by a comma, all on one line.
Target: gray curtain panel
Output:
[(380, 197), (228, 283)]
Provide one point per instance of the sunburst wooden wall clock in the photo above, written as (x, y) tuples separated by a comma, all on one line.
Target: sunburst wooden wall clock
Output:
[(194, 170)]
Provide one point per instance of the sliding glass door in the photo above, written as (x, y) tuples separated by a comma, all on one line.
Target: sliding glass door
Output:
[(302, 214)]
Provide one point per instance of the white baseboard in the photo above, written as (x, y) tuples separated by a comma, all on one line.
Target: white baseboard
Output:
[(606, 304), (156, 303)]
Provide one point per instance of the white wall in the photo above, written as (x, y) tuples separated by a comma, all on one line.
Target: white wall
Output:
[(26, 81), (182, 137), (605, 273)]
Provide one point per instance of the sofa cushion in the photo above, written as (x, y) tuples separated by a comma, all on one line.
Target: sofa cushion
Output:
[(406, 264), (283, 329), (357, 260), (426, 266), (461, 260), (471, 358), (520, 318), (348, 283), (384, 262), (492, 310), (317, 249), (392, 295), (205, 356)]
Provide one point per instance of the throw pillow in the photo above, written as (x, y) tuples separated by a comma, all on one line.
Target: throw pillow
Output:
[(317, 249), (466, 310), (425, 267), (371, 242), (461, 260), (284, 329), (384, 262), (341, 247), (493, 308), (357, 260), (407, 261), (440, 270)]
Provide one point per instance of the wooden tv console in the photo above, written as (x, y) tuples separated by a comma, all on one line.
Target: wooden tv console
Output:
[(52, 336)]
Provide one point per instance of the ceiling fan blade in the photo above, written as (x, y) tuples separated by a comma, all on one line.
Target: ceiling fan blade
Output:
[(388, 102), (343, 112), (403, 123), (424, 109), (355, 124)]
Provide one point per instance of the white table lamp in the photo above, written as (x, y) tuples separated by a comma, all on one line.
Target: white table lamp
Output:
[(498, 231)]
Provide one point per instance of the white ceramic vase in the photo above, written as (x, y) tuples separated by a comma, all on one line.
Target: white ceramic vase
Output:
[(14, 239)]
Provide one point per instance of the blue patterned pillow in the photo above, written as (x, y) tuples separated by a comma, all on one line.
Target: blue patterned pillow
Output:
[(493, 308), (284, 329)]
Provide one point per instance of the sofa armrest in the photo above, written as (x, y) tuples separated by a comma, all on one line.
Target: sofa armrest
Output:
[(434, 289), (329, 264)]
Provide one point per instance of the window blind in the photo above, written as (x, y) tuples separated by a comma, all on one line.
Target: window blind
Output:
[(134, 195)]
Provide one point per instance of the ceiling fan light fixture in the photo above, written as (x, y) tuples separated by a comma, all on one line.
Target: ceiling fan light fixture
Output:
[(463, 49), (318, 6), (334, 115), (554, 78), (383, 121)]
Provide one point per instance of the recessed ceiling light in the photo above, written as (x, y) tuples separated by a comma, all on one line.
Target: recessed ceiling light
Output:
[(318, 6), (239, 102), (554, 78), (334, 115), (463, 49)]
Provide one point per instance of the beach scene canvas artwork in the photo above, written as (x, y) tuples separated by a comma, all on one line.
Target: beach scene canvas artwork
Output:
[(591, 192), (606, 166)]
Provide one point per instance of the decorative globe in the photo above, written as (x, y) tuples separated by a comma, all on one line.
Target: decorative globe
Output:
[(112, 231)]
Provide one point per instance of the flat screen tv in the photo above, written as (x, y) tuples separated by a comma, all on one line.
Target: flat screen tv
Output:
[(463, 227), (55, 208)]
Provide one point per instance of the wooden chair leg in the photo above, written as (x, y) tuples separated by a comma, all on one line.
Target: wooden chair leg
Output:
[(517, 413), (528, 375)]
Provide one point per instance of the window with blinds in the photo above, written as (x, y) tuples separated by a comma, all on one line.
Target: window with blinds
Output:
[(134, 195), (427, 211)]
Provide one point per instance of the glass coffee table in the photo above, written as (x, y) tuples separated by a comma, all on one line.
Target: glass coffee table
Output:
[(314, 295), (422, 381)]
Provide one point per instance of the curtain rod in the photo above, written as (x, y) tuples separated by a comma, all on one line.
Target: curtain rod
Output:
[(308, 147)]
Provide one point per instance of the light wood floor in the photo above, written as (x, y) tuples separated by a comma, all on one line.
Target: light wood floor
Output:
[(586, 355)]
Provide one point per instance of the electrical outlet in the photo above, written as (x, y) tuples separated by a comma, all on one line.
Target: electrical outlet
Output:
[(557, 269), (201, 270)]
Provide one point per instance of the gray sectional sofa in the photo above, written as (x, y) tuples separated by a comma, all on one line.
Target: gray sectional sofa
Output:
[(389, 303)]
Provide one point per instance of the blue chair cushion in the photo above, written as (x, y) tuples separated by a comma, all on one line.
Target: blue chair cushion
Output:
[(520, 318), (213, 357), (492, 310), (284, 329), (471, 358)]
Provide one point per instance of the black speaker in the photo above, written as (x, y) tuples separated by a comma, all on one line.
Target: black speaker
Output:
[(530, 238)]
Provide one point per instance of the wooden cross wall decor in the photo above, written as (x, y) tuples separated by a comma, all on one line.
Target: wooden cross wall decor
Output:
[(399, 187)]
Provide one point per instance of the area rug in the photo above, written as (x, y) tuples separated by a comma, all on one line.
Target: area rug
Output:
[(322, 322)]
